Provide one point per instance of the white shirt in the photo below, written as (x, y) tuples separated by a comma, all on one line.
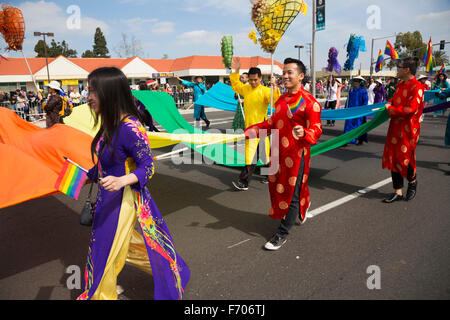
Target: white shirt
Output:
[(371, 94), (331, 96)]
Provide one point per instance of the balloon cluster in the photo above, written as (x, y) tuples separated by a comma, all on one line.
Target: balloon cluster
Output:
[(12, 27)]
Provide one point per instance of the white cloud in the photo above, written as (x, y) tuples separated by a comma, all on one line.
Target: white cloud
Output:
[(49, 17), (140, 26), (218, 6), (199, 37)]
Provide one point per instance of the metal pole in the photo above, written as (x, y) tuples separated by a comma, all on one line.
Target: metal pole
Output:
[(31, 73), (46, 60), (313, 51), (271, 84), (371, 59)]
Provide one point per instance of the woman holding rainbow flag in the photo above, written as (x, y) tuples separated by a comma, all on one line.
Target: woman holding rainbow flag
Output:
[(125, 166)]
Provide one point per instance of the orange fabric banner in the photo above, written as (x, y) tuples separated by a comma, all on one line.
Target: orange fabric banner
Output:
[(31, 158)]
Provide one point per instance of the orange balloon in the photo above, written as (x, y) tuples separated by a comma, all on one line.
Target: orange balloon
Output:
[(12, 27)]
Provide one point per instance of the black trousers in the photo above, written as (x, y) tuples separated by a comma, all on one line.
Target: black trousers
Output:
[(330, 105), (248, 170), (397, 178), (294, 209)]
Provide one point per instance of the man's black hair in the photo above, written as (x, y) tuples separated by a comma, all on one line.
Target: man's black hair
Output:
[(411, 63), (301, 67), (256, 71)]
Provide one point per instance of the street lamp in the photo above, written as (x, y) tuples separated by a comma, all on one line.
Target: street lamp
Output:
[(372, 62), (48, 34), (299, 49)]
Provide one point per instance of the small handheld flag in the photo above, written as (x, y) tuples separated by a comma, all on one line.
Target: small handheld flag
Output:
[(71, 179), (442, 70), (390, 51), (380, 61)]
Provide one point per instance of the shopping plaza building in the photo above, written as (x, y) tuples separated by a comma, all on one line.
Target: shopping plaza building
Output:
[(73, 72)]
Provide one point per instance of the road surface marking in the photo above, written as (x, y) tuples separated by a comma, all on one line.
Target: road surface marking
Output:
[(237, 244), (334, 204)]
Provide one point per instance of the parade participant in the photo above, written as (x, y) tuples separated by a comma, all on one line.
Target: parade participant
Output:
[(239, 122), (123, 169), (380, 93), (339, 92), (298, 119), (405, 110), (370, 91), (441, 84), (145, 115), (54, 105), (357, 97), (391, 86), (199, 90), (257, 100), (330, 104), (423, 80)]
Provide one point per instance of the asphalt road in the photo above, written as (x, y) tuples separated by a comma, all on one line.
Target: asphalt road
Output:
[(220, 232)]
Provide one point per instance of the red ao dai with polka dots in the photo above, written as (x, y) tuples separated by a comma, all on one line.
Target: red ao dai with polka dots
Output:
[(404, 128), (291, 149)]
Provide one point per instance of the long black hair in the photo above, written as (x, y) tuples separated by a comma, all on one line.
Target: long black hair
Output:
[(115, 98)]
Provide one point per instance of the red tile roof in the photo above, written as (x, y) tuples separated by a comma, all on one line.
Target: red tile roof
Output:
[(17, 66)]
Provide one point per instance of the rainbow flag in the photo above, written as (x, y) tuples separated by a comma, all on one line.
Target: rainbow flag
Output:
[(443, 70), (296, 105), (380, 60), (71, 179), (428, 58), (390, 51)]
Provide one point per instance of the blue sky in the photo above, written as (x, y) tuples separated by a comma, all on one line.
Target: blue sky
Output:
[(195, 27)]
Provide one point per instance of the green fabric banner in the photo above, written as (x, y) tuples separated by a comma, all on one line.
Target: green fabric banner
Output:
[(163, 109)]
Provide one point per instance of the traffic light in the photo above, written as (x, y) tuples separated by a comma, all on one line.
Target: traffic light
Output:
[(442, 45)]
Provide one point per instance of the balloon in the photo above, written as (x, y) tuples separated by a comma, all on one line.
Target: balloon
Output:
[(12, 27)]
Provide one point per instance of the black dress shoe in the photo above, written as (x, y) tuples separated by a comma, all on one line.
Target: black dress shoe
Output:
[(412, 190), (393, 197)]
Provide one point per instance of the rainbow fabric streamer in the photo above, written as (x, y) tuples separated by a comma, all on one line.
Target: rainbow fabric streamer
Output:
[(71, 179), (390, 51), (443, 70), (380, 60), (428, 58)]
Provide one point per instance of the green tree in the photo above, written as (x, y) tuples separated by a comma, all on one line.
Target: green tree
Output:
[(55, 49), (88, 54), (99, 49), (39, 48), (409, 44), (440, 58)]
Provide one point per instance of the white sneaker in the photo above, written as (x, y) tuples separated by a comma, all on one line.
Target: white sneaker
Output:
[(275, 243), (119, 290)]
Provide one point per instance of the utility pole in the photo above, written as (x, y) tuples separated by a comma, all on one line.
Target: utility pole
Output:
[(310, 57), (372, 62), (299, 51), (48, 34), (313, 50)]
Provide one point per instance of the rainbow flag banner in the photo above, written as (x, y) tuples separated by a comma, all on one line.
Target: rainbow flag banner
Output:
[(71, 179), (390, 51), (380, 60), (443, 69), (428, 58)]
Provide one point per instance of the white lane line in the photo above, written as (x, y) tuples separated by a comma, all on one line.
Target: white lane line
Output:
[(334, 204), (237, 244)]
